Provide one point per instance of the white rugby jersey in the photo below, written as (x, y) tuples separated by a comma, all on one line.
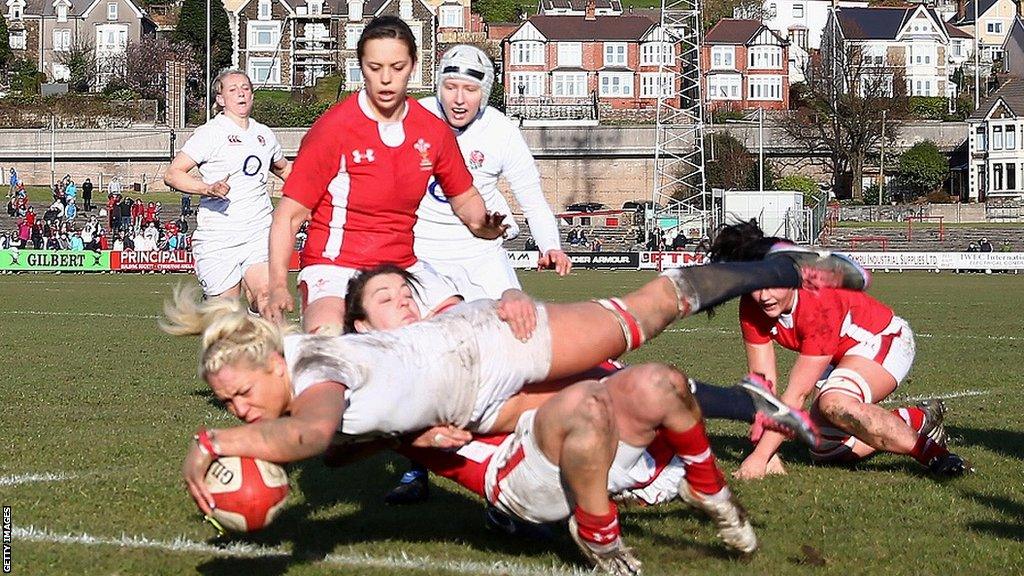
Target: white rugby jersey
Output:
[(222, 148), (492, 146), (457, 368)]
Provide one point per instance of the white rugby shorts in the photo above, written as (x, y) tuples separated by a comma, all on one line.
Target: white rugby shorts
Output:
[(221, 260), (327, 280), (486, 275)]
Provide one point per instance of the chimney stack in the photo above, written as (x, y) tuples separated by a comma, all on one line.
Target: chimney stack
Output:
[(961, 10), (590, 11)]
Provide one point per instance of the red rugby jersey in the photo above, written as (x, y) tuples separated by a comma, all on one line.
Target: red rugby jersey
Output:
[(363, 181), (825, 322)]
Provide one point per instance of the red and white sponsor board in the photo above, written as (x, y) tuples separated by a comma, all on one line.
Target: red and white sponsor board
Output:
[(157, 261)]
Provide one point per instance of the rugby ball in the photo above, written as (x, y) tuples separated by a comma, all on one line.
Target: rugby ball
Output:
[(249, 493)]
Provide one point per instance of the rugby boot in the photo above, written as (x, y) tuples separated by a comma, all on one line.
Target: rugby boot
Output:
[(934, 412), (614, 558), (823, 269), (729, 517), (949, 465), (773, 414), (499, 521), (412, 489)]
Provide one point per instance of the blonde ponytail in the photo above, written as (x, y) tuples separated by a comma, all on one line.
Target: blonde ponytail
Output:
[(228, 333)]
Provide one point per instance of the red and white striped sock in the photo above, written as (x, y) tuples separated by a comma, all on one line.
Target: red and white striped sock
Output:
[(692, 446), (912, 415)]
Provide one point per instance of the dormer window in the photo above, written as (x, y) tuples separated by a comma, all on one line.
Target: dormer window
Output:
[(264, 13), (405, 10), (112, 11), (315, 8), (17, 11), (62, 13)]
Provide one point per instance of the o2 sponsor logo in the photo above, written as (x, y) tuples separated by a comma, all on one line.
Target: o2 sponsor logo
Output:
[(252, 165), (434, 189)]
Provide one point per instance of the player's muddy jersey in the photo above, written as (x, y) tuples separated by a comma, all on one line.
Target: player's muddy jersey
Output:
[(827, 322), (454, 368)]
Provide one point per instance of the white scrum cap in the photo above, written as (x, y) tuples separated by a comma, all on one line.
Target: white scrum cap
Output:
[(466, 62)]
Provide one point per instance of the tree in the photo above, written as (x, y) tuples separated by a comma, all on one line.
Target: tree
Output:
[(846, 98), (730, 166), (191, 31), (80, 61), (6, 55), (497, 10), (143, 69), (803, 184), (922, 169)]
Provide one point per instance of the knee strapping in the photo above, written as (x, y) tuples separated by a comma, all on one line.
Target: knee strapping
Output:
[(849, 382), (631, 328)]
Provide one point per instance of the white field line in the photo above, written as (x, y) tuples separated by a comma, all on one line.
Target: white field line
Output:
[(947, 396), (922, 335), (400, 561), (78, 314), (32, 478)]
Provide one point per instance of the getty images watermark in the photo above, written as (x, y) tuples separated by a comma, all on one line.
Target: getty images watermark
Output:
[(7, 539)]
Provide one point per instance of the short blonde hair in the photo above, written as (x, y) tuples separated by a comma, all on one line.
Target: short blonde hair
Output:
[(229, 334), (218, 83)]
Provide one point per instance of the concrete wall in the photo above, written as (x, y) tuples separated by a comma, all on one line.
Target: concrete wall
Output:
[(606, 164)]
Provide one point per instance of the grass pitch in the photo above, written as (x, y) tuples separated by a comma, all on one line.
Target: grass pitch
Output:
[(97, 407)]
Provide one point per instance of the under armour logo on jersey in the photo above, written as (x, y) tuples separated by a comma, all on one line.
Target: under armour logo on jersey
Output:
[(234, 139), (358, 156)]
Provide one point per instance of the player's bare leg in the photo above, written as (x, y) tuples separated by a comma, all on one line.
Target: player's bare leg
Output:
[(575, 431), (654, 397), (256, 284), (323, 312)]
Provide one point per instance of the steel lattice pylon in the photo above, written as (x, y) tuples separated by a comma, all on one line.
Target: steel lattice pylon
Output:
[(679, 183)]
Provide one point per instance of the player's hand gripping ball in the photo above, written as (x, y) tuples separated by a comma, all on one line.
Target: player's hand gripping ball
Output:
[(249, 493)]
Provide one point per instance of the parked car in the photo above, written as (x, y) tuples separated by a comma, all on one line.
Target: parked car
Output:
[(585, 207), (638, 205)]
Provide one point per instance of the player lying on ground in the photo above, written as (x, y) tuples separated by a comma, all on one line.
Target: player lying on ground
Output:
[(382, 298), (458, 368), (864, 349)]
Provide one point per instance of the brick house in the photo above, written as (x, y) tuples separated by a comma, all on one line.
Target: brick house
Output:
[(746, 65), (41, 31), (292, 43), (996, 145), (616, 65), (578, 8)]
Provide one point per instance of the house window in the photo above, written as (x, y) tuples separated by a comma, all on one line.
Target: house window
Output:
[(1011, 138), (265, 10), (405, 10), (352, 34), (1011, 176), (654, 85), (764, 88), (765, 57), (958, 48), (656, 54), (997, 137), (569, 84), (723, 87), (112, 11), (528, 53), (264, 36), (615, 84), (17, 40), (994, 27), (315, 8), (62, 13), (17, 11), (265, 70), (981, 142), (570, 54), (111, 38), (62, 40), (798, 10), (526, 84), (997, 176), (61, 73), (353, 73), (450, 16), (922, 54), (614, 53), (723, 57), (799, 38)]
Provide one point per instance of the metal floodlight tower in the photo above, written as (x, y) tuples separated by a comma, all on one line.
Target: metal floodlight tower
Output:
[(680, 186)]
